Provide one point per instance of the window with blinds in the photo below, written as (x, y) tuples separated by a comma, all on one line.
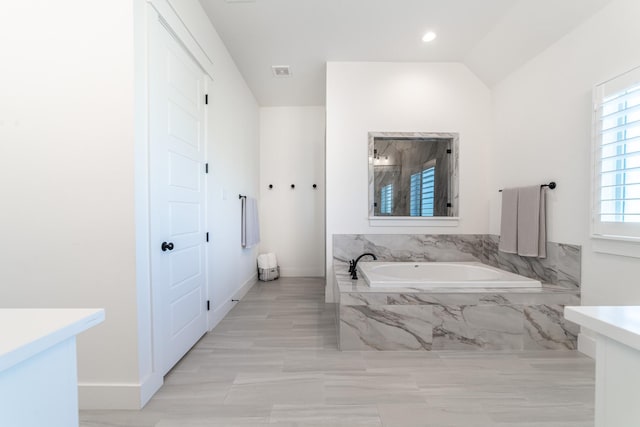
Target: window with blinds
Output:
[(386, 199), (422, 192), (616, 210)]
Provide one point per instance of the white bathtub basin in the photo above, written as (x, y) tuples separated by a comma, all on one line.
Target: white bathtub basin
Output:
[(426, 275)]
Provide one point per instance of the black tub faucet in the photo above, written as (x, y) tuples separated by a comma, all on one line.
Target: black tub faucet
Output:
[(354, 263)]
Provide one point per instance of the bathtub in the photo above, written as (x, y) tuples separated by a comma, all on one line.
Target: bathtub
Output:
[(427, 275)]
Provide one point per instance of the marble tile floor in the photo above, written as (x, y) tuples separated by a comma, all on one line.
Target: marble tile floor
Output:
[(273, 361)]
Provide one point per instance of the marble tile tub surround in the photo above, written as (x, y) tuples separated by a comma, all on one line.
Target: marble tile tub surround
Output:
[(456, 319), (453, 319), (560, 269)]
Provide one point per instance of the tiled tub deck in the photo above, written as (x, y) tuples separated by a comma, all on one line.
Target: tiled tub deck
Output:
[(452, 319)]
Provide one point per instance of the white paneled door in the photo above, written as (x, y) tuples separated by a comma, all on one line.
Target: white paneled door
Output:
[(177, 195)]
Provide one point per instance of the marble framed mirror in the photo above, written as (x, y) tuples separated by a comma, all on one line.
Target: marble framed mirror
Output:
[(413, 175)]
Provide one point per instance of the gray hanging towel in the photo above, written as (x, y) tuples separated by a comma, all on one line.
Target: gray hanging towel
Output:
[(531, 222), (509, 221)]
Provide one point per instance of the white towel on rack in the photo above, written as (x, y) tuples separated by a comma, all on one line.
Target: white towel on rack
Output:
[(250, 226)]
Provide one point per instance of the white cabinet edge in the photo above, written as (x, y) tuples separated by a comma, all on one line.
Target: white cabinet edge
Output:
[(619, 323), (29, 331)]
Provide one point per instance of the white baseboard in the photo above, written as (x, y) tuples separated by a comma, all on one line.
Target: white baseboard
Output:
[(219, 312), (109, 396), (301, 272), (149, 387), (587, 345)]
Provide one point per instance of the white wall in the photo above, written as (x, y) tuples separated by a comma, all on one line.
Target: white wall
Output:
[(73, 166), (543, 132), (292, 221), (233, 154), (67, 171), (412, 97)]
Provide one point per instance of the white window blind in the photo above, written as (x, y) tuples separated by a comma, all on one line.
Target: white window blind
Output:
[(616, 181), (386, 199)]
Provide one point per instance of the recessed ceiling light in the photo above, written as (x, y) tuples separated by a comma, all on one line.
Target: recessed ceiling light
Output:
[(281, 70), (429, 37)]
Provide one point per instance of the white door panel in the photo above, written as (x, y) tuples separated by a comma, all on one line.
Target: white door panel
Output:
[(184, 265), (182, 79), (182, 313), (183, 126), (177, 193), (184, 218), (184, 172)]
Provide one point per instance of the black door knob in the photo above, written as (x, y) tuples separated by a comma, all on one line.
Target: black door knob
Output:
[(166, 246)]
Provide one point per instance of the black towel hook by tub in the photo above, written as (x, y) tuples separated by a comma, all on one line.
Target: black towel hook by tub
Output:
[(551, 186)]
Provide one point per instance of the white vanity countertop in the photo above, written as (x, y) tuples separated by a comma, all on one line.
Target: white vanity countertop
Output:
[(619, 323), (25, 332)]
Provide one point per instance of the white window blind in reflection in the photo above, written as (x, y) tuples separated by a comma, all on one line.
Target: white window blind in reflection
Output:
[(386, 199), (616, 210), (422, 192), (428, 191)]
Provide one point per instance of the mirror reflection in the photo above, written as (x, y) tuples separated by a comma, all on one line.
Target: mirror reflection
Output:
[(413, 175)]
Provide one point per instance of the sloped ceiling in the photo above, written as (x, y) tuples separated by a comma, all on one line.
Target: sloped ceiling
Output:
[(492, 37)]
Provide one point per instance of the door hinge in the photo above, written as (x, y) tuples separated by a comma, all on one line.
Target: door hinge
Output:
[(206, 99), (208, 305), (206, 168), (449, 205), (207, 236), (448, 150)]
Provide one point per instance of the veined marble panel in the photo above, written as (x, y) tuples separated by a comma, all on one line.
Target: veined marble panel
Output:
[(385, 327), (489, 327), (365, 298), (409, 247), (568, 260), (546, 328), (432, 299), (485, 298), (536, 268), (560, 268)]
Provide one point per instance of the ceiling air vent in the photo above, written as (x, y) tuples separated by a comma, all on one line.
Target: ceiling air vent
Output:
[(281, 70)]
